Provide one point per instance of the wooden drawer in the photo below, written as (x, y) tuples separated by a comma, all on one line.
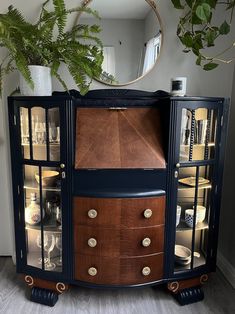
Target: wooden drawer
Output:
[(128, 212), (133, 211), (108, 241), (118, 242), (114, 271), (135, 242), (108, 211)]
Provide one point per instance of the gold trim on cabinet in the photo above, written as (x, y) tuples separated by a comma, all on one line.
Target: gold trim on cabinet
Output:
[(29, 280)]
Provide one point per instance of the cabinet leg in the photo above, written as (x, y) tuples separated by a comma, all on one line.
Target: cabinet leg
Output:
[(189, 295), (189, 290), (43, 291), (43, 296)]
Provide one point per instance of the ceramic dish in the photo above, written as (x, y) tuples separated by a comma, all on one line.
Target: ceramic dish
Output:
[(191, 181), (182, 253), (48, 177)]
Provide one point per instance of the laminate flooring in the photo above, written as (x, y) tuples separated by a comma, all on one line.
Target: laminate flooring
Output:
[(14, 298)]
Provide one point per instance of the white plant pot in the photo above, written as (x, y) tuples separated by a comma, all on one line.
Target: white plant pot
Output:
[(41, 77)]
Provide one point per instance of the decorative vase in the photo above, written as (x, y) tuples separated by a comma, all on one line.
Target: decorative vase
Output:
[(41, 77), (33, 212)]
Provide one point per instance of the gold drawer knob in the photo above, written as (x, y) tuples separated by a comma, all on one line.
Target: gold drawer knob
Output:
[(92, 213), (146, 242), (146, 271), (92, 271), (92, 242), (148, 213)]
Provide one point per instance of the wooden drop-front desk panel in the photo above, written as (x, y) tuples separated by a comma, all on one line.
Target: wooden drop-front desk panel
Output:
[(107, 139)]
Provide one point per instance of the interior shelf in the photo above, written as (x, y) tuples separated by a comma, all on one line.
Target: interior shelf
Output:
[(198, 145), (57, 144), (35, 186), (48, 226), (33, 260), (184, 227), (197, 262), (183, 187)]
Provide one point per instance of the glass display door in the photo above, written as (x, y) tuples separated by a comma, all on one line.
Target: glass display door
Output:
[(195, 182), (43, 192)]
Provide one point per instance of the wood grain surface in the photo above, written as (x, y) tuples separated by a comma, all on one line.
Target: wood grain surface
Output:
[(119, 212), (119, 139), (118, 271), (118, 242)]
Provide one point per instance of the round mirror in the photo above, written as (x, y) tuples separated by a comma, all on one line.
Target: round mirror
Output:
[(131, 33)]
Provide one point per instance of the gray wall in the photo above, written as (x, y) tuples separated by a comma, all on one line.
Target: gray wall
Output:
[(227, 219), (172, 63)]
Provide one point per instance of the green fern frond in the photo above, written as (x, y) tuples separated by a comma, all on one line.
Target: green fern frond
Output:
[(62, 82), (22, 66), (61, 14)]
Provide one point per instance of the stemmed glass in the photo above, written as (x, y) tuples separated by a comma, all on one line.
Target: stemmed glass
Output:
[(39, 244), (48, 245), (58, 243)]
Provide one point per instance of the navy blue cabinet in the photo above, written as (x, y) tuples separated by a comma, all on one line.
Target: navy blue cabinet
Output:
[(124, 178)]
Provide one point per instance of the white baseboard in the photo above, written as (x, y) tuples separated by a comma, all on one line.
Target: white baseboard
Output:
[(227, 269)]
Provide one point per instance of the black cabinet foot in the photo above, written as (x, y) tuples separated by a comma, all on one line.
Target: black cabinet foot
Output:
[(189, 295), (43, 296)]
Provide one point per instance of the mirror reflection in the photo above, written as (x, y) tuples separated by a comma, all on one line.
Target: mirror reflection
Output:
[(131, 35)]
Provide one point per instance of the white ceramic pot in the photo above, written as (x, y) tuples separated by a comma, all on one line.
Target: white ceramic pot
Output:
[(41, 77)]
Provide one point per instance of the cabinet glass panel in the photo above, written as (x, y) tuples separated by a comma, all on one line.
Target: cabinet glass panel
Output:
[(42, 203), (40, 133), (198, 134), (38, 119), (192, 217), (54, 134), (24, 131)]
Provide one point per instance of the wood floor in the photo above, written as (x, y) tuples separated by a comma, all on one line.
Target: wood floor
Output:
[(14, 298)]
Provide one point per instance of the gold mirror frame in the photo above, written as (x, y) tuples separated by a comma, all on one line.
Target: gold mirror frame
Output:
[(153, 5)]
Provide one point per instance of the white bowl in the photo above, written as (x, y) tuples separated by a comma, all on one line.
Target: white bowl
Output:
[(182, 253), (201, 213), (189, 215)]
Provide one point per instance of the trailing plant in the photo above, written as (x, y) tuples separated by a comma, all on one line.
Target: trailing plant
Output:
[(47, 43), (197, 29)]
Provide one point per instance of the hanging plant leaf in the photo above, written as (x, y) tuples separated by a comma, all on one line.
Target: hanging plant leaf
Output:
[(189, 3), (212, 3), (224, 28), (210, 37), (210, 66), (187, 40), (177, 4), (203, 12), (199, 60)]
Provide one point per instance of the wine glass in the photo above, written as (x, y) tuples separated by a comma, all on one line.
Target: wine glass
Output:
[(39, 244), (58, 243), (49, 245), (52, 132)]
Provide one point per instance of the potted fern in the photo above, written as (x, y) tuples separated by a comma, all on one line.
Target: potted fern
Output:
[(42, 47)]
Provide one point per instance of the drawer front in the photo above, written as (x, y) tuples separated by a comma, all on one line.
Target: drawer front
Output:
[(124, 271), (130, 212), (107, 269), (96, 241), (143, 212), (142, 241), (115, 242), (141, 269), (108, 211)]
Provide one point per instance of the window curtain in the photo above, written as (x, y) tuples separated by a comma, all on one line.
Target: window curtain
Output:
[(108, 64), (151, 53)]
